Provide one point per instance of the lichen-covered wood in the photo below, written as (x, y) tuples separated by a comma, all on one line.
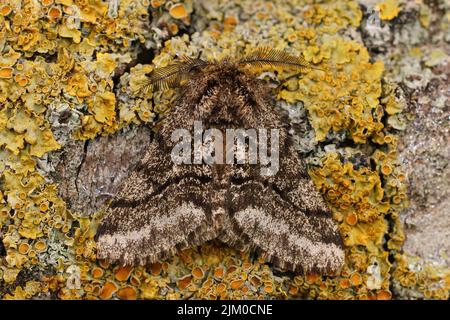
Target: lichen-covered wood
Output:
[(72, 119)]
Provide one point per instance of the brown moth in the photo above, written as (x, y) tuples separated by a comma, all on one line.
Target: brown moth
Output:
[(164, 207)]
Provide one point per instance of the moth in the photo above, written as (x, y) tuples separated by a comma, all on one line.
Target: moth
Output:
[(163, 207)]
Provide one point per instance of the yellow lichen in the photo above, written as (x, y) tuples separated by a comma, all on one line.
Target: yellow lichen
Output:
[(389, 9)]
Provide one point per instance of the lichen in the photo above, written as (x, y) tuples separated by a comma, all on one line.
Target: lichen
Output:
[(76, 60), (389, 9)]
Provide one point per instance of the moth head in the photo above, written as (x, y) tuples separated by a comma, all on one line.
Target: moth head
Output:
[(186, 68)]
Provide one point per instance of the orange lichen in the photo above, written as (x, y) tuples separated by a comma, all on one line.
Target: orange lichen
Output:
[(173, 27), (384, 295), (268, 289), (356, 279), (156, 268), (40, 246), (178, 11), (219, 272), (312, 277), (97, 273), (23, 248), (230, 23), (183, 283), (123, 273), (135, 281), (231, 269), (198, 273), (236, 284), (351, 219), (54, 13), (6, 72), (156, 3), (344, 283), (21, 80), (255, 281), (5, 10), (108, 290), (221, 287), (127, 293), (293, 290)]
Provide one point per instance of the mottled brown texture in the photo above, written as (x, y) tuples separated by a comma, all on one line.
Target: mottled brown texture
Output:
[(89, 173), (163, 207)]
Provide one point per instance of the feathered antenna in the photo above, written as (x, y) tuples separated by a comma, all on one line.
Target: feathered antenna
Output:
[(266, 56), (171, 75)]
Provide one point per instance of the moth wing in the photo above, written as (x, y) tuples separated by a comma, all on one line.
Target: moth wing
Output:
[(286, 218), (159, 210)]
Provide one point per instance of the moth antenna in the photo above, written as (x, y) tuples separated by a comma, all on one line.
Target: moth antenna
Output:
[(172, 75), (144, 87), (266, 56)]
